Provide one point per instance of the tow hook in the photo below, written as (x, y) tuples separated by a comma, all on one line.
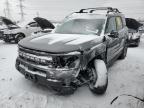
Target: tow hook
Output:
[(30, 77)]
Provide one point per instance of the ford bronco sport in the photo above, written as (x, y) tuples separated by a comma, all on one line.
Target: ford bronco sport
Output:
[(77, 52)]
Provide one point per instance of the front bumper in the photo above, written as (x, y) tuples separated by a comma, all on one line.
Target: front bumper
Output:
[(9, 36), (36, 74)]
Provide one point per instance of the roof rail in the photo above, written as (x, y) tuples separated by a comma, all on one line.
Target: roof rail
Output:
[(91, 10)]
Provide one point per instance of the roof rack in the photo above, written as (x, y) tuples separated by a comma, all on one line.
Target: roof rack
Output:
[(91, 10)]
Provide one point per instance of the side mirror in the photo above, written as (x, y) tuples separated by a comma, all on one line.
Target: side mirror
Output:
[(113, 34)]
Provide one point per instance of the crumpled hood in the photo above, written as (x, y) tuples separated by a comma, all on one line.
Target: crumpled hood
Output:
[(60, 43)]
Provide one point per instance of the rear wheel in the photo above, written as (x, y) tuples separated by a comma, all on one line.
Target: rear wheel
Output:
[(99, 77), (19, 37)]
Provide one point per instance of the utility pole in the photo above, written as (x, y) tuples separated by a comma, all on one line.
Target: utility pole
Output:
[(7, 10), (4, 12), (37, 14), (21, 9)]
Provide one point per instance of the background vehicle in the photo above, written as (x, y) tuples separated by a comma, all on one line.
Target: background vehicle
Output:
[(16, 33), (3, 27), (134, 34), (78, 51), (46, 26)]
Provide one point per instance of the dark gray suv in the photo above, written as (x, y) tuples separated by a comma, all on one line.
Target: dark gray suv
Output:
[(77, 52)]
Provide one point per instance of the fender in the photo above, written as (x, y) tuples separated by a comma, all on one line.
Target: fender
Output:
[(97, 51)]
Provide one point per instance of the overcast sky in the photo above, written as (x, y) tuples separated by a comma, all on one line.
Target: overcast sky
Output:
[(57, 9)]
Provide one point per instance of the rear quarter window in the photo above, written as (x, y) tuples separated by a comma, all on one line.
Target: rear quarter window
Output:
[(119, 23)]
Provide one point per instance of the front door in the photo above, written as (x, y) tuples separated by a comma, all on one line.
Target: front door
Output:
[(122, 33), (112, 43)]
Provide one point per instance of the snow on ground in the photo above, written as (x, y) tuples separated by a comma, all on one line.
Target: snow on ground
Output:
[(125, 77)]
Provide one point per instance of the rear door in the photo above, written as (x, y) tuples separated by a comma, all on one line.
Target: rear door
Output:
[(122, 33), (112, 43)]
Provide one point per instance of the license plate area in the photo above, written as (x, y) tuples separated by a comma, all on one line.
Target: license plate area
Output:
[(30, 76)]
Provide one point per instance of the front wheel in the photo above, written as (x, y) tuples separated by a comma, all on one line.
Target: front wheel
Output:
[(99, 78)]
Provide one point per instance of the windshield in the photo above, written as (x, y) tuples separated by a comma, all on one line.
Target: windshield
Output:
[(81, 26)]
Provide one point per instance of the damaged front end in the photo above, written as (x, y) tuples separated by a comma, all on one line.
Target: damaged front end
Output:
[(55, 70)]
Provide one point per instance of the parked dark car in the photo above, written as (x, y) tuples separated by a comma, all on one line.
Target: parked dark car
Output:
[(77, 52), (134, 34)]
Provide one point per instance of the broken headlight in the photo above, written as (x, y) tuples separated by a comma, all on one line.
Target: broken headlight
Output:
[(65, 66), (66, 62), (71, 62)]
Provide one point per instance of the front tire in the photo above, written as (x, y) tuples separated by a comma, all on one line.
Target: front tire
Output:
[(99, 82)]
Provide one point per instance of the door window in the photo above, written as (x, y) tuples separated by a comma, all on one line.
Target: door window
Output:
[(111, 25)]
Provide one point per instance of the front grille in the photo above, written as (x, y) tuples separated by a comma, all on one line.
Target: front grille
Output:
[(50, 60), (41, 58), (35, 57)]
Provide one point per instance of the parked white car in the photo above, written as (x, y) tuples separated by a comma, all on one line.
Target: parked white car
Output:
[(16, 33)]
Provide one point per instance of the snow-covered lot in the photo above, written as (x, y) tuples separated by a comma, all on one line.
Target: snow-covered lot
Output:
[(125, 77)]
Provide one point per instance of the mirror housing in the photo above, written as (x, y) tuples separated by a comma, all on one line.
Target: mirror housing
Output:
[(113, 34)]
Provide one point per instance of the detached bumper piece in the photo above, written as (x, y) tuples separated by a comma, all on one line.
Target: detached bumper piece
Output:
[(133, 41), (38, 75)]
